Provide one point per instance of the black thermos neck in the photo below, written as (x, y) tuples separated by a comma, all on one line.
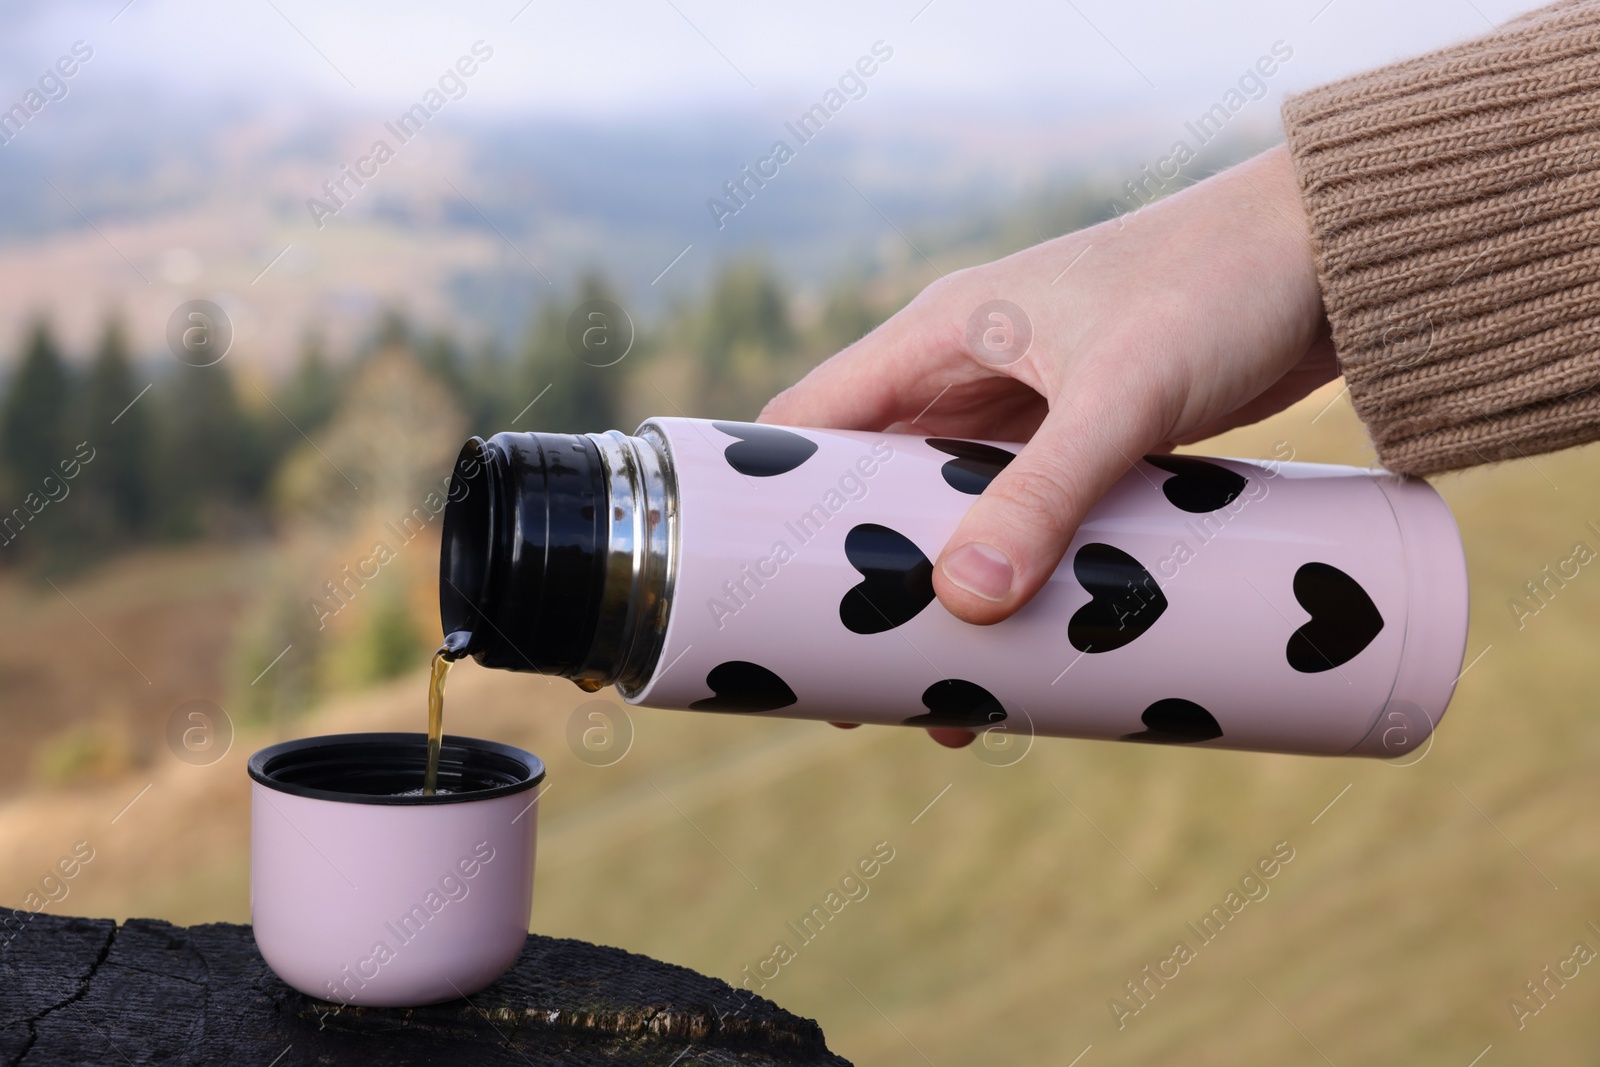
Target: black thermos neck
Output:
[(523, 562)]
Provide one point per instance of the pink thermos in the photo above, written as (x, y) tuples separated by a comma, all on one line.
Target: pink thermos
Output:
[(762, 570)]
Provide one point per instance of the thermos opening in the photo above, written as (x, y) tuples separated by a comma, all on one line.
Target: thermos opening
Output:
[(465, 553), (521, 566)]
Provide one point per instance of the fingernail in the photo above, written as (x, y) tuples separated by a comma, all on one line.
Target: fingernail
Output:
[(980, 569)]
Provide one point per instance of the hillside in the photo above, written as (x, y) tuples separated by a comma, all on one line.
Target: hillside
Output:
[(479, 223), (1418, 899)]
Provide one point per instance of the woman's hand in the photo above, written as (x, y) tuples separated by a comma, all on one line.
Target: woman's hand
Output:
[(1196, 314)]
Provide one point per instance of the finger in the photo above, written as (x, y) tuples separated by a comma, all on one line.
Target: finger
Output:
[(952, 736), (876, 381), (1016, 532), (996, 409), (845, 725)]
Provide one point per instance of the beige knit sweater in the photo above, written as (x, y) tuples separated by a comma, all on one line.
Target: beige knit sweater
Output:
[(1454, 202)]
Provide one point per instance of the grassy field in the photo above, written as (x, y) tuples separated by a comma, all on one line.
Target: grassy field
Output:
[(1019, 900)]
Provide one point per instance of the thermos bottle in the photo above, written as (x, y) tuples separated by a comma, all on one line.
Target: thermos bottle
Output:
[(760, 570)]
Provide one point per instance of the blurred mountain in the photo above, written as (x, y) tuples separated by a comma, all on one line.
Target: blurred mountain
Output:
[(150, 202)]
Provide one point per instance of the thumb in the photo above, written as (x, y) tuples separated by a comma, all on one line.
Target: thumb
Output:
[(1016, 532)]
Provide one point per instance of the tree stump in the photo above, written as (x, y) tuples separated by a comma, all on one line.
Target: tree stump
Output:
[(76, 991)]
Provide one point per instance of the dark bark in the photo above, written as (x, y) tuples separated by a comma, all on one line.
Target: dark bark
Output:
[(76, 991)]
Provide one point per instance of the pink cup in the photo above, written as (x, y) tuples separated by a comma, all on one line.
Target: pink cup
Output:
[(363, 891)]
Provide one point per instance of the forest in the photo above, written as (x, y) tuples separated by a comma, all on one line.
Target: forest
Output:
[(183, 452), (321, 475)]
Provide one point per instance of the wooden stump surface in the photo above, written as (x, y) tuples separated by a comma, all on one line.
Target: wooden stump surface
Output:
[(76, 991)]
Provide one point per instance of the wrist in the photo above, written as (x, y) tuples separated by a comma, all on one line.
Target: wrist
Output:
[(1284, 224)]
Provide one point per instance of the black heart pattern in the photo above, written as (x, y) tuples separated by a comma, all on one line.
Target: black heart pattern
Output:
[(896, 580), (974, 466), (763, 451), (742, 686), (957, 702), (1125, 599), (1344, 620), (1198, 486), (1176, 722)]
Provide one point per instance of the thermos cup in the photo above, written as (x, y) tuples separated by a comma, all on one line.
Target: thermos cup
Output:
[(762, 570)]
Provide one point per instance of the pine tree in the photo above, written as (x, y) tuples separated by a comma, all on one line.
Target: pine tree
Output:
[(210, 451), (490, 378), (574, 395), (33, 424), (747, 339), (312, 393), (117, 502), (748, 309), (440, 358)]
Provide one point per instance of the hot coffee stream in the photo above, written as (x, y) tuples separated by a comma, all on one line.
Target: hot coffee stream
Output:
[(448, 653)]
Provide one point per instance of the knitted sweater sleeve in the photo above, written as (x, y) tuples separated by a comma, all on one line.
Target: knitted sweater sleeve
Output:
[(1454, 203)]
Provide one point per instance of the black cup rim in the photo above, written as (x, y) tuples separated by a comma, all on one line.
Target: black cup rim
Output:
[(455, 751)]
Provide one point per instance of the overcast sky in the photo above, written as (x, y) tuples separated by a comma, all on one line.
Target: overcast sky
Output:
[(642, 57), (1020, 89)]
